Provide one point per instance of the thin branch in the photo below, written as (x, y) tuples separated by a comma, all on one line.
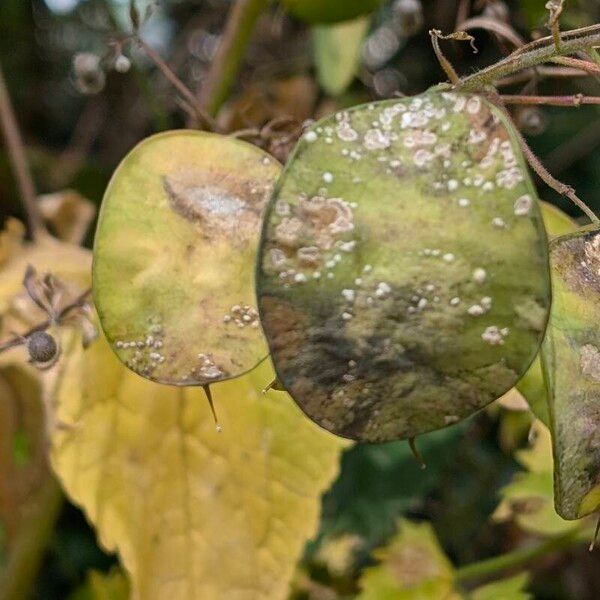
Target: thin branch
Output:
[(555, 7), (497, 27), (534, 162), (533, 54), (585, 65), (16, 153), (187, 94), (594, 55), (551, 181), (576, 100), (493, 567), (241, 21), (541, 71)]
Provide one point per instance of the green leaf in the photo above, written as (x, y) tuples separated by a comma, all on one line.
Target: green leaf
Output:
[(174, 256), (337, 51), (412, 566), (505, 589), (571, 360), (329, 11), (403, 275)]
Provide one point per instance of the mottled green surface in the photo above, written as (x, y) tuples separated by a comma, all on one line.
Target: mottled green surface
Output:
[(403, 278), (571, 359), (174, 257), (532, 384)]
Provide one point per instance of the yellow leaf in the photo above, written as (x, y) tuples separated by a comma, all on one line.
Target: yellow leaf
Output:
[(193, 514), (413, 567)]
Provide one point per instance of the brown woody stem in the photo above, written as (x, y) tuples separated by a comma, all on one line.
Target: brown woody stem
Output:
[(18, 159)]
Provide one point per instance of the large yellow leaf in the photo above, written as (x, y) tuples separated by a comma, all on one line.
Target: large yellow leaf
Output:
[(192, 513)]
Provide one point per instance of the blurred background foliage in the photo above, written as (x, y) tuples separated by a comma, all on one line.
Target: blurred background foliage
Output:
[(295, 70)]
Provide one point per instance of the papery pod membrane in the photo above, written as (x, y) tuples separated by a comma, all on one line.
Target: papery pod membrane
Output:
[(571, 361), (403, 273), (532, 384), (174, 254)]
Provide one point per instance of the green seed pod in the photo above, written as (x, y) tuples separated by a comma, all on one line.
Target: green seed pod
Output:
[(174, 254), (403, 274), (571, 361)]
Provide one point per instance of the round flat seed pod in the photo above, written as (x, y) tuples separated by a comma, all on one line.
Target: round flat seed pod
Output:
[(174, 253), (571, 360), (403, 275)]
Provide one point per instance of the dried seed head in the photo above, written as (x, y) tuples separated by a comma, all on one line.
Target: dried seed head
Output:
[(42, 347)]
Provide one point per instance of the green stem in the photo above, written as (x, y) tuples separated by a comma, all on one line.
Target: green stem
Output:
[(534, 54), (241, 22), (25, 556), (517, 558), (594, 55)]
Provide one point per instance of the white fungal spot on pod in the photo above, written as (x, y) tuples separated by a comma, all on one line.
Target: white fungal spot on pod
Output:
[(494, 336), (523, 205), (479, 275)]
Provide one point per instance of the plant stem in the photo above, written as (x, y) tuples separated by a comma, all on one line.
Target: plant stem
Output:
[(241, 22), (16, 577), (517, 558), (576, 100), (535, 53), (585, 65), (177, 84), (18, 159)]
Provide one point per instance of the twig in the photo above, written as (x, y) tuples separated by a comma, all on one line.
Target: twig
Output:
[(594, 55), (541, 71), (16, 153), (241, 21), (585, 65), (533, 54), (18, 340), (187, 94), (551, 181), (535, 163), (517, 558), (462, 13), (576, 100), (498, 27), (555, 7)]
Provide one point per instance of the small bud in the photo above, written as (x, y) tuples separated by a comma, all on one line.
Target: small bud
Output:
[(122, 64), (89, 76), (42, 347)]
